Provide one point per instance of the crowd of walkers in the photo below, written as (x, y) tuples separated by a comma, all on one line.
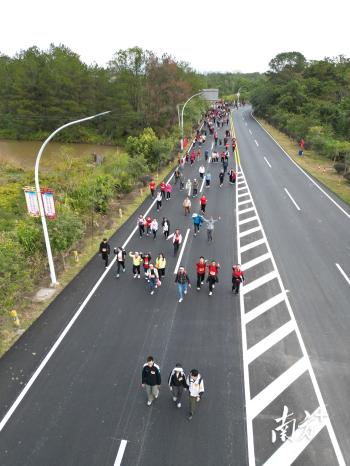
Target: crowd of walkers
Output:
[(207, 271)]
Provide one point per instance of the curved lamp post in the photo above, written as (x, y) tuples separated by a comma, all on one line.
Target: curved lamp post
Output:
[(182, 117), (40, 202)]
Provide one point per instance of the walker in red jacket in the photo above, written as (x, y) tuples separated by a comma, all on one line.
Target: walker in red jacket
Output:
[(213, 270), (237, 277)]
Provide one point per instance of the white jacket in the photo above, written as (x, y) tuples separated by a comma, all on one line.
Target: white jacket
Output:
[(195, 387)]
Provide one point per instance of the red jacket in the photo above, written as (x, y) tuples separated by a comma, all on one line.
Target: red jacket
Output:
[(238, 274), (152, 185), (213, 270), (201, 267), (203, 200), (162, 186), (148, 221)]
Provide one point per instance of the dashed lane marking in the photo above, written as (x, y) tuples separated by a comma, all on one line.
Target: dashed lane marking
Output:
[(290, 197), (347, 279), (182, 251), (256, 142), (122, 446), (250, 131), (268, 163)]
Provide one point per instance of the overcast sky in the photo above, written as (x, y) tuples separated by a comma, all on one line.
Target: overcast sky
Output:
[(224, 35)]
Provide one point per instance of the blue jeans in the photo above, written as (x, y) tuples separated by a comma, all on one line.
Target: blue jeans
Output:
[(152, 283), (182, 287)]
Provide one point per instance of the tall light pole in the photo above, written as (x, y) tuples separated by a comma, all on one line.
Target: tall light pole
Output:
[(38, 193), (182, 117)]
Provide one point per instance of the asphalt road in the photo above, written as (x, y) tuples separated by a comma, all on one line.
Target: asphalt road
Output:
[(88, 397)]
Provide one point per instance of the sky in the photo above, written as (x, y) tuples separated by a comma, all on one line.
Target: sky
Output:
[(224, 35)]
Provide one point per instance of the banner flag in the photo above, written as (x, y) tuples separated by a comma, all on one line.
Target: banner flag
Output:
[(32, 201)]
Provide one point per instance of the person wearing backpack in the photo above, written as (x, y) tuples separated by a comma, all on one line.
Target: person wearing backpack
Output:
[(177, 383), (121, 254), (151, 380), (195, 385)]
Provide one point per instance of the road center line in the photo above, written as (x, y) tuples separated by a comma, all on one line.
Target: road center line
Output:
[(256, 142), (250, 131), (343, 273), (290, 197), (268, 163), (120, 454), (182, 251), (202, 186)]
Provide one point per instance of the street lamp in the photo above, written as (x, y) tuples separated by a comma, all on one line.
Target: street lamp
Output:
[(182, 117), (40, 202)]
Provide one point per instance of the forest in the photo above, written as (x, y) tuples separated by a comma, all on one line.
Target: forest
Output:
[(309, 100)]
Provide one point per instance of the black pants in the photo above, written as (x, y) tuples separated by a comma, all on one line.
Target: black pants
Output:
[(105, 258), (203, 207), (168, 194), (152, 193), (161, 272), (202, 174), (166, 234), (207, 182), (195, 192), (211, 280), (120, 264), (200, 279), (136, 269), (163, 194), (141, 230), (176, 248), (154, 234), (196, 228), (236, 282), (159, 204)]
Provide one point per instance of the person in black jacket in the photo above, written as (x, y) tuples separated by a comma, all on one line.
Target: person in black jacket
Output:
[(121, 254), (151, 379), (105, 250), (177, 383)]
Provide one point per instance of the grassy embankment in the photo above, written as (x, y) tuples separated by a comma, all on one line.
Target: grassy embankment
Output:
[(316, 165)]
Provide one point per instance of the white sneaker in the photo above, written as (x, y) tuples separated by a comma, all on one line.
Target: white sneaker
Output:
[(213, 286), (202, 283), (210, 293), (156, 396), (198, 288), (179, 405), (149, 403), (117, 275), (139, 276), (174, 398), (123, 270), (152, 292), (135, 275), (185, 292), (180, 300)]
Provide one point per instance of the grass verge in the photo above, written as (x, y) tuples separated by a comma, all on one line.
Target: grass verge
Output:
[(315, 164), (29, 310)]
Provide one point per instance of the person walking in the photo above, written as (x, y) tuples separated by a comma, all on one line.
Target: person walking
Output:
[(105, 250), (136, 263), (148, 223), (121, 254), (141, 224), (232, 176), (206, 155), (213, 271), (146, 258), (221, 177), (151, 380), (203, 202), (176, 175), (197, 221), (154, 227), (237, 278), (166, 227), (201, 267), (201, 171), (210, 226), (183, 281), (177, 383), (152, 187), (188, 187), (195, 188), (152, 277), (159, 200), (160, 265), (207, 180), (177, 240), (182, 182), (187, 205), (168, 190), (195, 385), (162, 189)]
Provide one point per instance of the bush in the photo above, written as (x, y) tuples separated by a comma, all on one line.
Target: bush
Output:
[(65, 230), (29, 235), (347, 176), (340, 167)]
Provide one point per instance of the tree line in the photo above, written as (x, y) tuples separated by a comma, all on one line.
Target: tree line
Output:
[(309, 100)]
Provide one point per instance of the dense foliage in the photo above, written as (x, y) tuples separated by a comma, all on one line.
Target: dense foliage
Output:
[(39, 90), (309, 100)]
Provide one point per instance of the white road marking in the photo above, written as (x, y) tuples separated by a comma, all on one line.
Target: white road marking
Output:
[(122, 446), (253, 244), (262, 308), (271, 392), (290, 197), (57, 343), (343, 273), (240, 177), (256, 261), (250, 131), (247, 220), (289, 451), (282, 379), (248, 232), (182, 251), (242, 188), (202, 185), (241, 182), (256, 142), (243, 195), (259, 282), (271, 340), (268, 163), (304, 172), (244, 211)]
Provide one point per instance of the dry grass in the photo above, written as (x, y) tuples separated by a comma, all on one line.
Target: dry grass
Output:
[(316, 165), (28, 310)]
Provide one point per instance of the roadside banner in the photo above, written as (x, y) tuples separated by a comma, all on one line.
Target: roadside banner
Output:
[(48, 203), (32, 201), (185, 142)]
